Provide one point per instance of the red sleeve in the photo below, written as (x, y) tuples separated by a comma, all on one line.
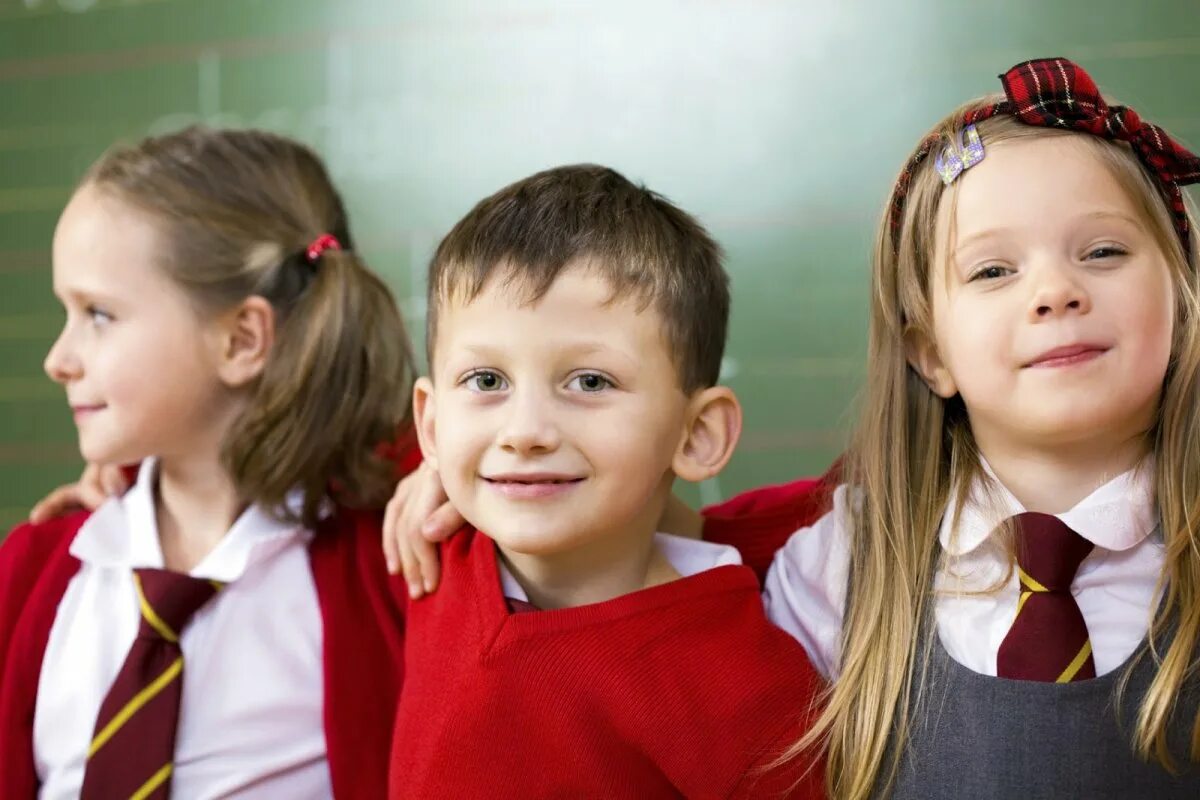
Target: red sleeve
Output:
[(760, 521), (362, 612), (35, 568)]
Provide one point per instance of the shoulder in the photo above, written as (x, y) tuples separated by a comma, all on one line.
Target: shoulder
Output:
[(805, 590), (759, 522), (29, 546), (35, 568), (350, 533), (346, 554)]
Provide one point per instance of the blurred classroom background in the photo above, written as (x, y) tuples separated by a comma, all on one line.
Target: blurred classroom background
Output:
[(780, 123)]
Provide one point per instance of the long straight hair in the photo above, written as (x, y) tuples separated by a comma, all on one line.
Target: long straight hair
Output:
[(911, 449)]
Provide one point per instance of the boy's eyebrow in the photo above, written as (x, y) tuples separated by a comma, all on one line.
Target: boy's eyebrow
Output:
[(577, 349)]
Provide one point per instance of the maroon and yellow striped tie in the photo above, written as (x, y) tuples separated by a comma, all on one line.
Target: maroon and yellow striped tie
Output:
[(132, 751), (1048, 640)]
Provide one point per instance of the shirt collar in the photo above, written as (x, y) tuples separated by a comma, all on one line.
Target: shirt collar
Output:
[(124, 533), (1116, 516), (686, 555)]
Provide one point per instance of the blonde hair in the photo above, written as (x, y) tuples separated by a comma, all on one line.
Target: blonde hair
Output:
[(911, 449), (237, 209)]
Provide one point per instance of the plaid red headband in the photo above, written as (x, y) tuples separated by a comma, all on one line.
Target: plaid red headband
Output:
[(1058, 93)]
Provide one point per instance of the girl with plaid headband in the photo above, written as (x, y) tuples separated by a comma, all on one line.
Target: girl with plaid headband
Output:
[(1008, 577)]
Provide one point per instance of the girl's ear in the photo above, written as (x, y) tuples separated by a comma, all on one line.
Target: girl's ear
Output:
[(246, 334), (423, 408), (923, 356), (713, 426)]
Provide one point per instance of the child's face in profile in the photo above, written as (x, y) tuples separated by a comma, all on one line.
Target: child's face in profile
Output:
[(1054, 307), (553, 424), (133, 354)]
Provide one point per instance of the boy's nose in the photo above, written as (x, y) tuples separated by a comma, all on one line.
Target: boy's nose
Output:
[(530, 427)]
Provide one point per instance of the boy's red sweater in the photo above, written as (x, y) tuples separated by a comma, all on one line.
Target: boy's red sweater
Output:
[(683, 689)]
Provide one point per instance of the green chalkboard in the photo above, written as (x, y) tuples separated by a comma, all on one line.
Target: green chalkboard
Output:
[(780, 124)]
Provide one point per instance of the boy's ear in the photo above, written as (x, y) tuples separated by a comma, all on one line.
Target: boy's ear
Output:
[(714, 424), (923, 356), (246, 334), (423, 407)]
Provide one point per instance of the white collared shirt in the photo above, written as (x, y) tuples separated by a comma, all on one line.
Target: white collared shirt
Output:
[(685, 555), (251, 722), (1115, 586)]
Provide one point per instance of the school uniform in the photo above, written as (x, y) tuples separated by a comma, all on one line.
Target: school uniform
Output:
[(675, 690), (291, 671), (1023, 737)]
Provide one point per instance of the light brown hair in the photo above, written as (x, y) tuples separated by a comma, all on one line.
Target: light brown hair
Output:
[(911, 450), (237, 210), (645, 247)]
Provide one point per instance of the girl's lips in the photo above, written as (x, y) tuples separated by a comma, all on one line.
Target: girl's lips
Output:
[(79, 411), (1068, 355)]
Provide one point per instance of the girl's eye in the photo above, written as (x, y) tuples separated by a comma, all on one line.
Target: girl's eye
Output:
[(485, 381), (99, 316), (590, 382), (1105, 251), (989, 273)]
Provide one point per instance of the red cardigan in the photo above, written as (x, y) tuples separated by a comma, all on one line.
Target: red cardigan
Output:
[(362, 609), (683, 689), (759, 522)]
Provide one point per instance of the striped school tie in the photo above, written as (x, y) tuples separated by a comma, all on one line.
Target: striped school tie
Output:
[(132, 751), (1048, 640)]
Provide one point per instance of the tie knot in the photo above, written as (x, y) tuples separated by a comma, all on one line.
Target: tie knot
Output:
[(169, 599), (1048, 552)]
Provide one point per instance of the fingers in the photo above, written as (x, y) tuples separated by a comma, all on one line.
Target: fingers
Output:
[(418, 497), (420, 565), (393, 517), (443, 522), (110, 478), (67, 498), (57, 503)]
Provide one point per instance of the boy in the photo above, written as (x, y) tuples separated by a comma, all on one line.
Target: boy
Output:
[(575, 332)]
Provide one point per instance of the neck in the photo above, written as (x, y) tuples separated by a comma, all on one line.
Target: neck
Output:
[(1054, 480), (196, 503), (612, 564)]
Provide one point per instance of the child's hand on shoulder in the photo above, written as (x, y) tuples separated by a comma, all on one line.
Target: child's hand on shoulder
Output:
[(418, 516), (97, 483)]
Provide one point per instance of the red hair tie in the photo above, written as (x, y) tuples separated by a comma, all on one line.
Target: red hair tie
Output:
[(326, 241)]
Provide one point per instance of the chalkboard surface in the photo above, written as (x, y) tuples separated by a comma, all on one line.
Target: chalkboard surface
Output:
[(780, 124)]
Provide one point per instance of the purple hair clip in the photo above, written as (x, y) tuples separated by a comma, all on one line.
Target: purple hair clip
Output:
[(951, 162)]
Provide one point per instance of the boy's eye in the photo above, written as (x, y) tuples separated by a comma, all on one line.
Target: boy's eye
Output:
[(590, 382), (485, 381), (989, 273)]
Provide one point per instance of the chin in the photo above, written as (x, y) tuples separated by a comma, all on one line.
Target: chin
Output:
[(108, 453), (531, 542)]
